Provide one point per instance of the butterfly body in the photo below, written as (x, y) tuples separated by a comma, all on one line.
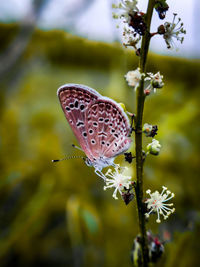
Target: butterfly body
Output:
[(99, 124)]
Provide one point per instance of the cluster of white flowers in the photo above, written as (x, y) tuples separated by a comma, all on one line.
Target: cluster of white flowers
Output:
[(126, 11), (156, 203), (134, 28), (155, 81), (117, 180), (173, 30)]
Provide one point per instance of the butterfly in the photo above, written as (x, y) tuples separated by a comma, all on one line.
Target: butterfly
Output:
[(99, 123)]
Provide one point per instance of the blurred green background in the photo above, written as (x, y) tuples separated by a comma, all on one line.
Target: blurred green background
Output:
[(58, 214)]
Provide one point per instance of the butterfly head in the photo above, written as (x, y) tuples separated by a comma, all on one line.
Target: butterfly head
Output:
[(99, 163)]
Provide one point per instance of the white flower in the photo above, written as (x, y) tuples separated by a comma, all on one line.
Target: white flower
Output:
[(154, 147), (133, 77), (130, 38), (156, 81), (156, 203), (173, 30), (117, 180), (127, 7)]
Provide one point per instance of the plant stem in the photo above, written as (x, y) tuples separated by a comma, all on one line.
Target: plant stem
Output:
[(140, 98)]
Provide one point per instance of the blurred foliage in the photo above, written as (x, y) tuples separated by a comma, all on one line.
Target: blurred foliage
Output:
[(58, 214)]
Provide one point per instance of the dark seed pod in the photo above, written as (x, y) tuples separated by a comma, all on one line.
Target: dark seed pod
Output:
[(127, 197), (161, 29), (137, 22), (128, 157), (156, 250), (154, 130)]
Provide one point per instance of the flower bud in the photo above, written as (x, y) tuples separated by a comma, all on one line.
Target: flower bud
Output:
[(154, 147), (147, 91), (161, 29), (150, 130), (156, 248), (161, 7), (136, 253), (157, 80)]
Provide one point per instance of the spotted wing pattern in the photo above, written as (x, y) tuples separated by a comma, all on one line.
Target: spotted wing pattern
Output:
[(99, 123), (75, 100), (108, 128)]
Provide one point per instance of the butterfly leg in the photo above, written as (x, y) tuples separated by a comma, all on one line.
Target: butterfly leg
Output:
[(100, 174), (117, 166)]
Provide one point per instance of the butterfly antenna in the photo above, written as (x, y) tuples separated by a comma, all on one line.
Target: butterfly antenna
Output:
[(77, 147), (69, 157)]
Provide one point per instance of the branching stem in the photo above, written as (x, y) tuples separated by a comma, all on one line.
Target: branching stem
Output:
[(140, 98)]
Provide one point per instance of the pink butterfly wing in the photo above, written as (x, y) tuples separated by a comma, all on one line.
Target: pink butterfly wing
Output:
[(75, 100), (108, 128), (99, 123)]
